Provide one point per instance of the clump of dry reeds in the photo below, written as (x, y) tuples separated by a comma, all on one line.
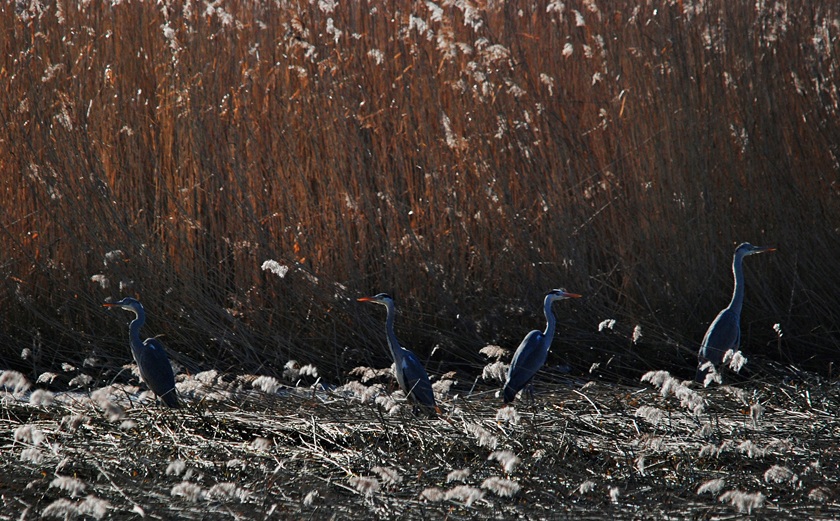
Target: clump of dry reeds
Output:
[(237, 449), (464, 157)]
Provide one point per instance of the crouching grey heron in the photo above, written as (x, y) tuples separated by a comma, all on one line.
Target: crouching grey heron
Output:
[(724, 333), (412, 377), (532, 352), (149, 355)]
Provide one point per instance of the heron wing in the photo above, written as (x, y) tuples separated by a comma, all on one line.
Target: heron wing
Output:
[(156, 371), (417, 384), (527, 360), (723, 334)]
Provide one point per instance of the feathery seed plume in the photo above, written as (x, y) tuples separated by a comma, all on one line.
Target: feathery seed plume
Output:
[(46, 378), (68, 484), (508, 414), (175, 467), (606, 324), (29, 434), (310, 498), (485, 439), (267, 384), (652, 414), (586, 487), (388, 475), (41, 397), (495, 371), (458, 475), (494, 351), (365, 485), (388, 403), (744, 502), (500, 486), (432, 494), (32, 455), (713, 486), (14, 381), (189, 491), (507, 459), (466, 494), (227, 491), (779, 474), (261, 444), (275, 267)]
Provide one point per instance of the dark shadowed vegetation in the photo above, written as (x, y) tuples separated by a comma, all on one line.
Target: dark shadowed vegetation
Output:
[(465, 158)]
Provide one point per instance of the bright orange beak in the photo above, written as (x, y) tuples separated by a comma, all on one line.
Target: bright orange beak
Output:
[(364, 299), (109, 305)]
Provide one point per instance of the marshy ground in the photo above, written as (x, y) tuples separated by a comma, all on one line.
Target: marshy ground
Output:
[(251, 448)]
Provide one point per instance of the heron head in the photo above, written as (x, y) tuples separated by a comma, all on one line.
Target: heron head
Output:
[(128, 304), (561, 293), (746, 248), (381, 298)]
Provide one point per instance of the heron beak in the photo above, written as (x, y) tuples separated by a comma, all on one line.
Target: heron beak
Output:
[(572, 295), (763, 249), (364, 299), (109, 305)]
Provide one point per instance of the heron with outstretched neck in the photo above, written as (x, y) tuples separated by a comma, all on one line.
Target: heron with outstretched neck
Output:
[(411, 376), (724, 333), (151, 358), (532, 352)]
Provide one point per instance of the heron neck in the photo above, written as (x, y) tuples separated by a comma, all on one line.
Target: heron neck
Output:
[(738, 292), (396, 350), (549, 318), (134, 330)]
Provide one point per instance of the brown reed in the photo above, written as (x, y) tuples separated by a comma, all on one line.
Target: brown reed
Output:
[(464, 157)]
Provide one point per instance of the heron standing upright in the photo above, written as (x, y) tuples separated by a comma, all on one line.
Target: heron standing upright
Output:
[(724, 333), (150, 356), (410, 373), (532, 352)]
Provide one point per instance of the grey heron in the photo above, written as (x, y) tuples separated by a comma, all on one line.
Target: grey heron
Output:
[(149, 355), (411, 375), (532, 352), (724, 333)]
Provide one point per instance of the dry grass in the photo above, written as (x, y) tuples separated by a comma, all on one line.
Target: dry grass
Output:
[(593, 451), (455, 155)]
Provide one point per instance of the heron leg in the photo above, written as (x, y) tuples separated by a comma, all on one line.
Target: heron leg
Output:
[(529, 388), (421, 411)]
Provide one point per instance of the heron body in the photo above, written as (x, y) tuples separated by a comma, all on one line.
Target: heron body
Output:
[(150, 356), (724, 332), (533, 351), (411, 376)]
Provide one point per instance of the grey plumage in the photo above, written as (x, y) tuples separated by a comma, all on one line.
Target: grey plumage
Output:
[(724, 332), (150, 356), (532, 352), (411, 375)]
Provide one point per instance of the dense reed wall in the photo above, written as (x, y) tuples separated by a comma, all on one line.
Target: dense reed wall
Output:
[(465, 157)]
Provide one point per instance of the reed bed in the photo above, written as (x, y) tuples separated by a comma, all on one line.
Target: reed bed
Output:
[(586, 450), (464, 157)]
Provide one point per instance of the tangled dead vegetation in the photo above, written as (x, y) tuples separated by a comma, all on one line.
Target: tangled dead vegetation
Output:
[(662, 448)]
